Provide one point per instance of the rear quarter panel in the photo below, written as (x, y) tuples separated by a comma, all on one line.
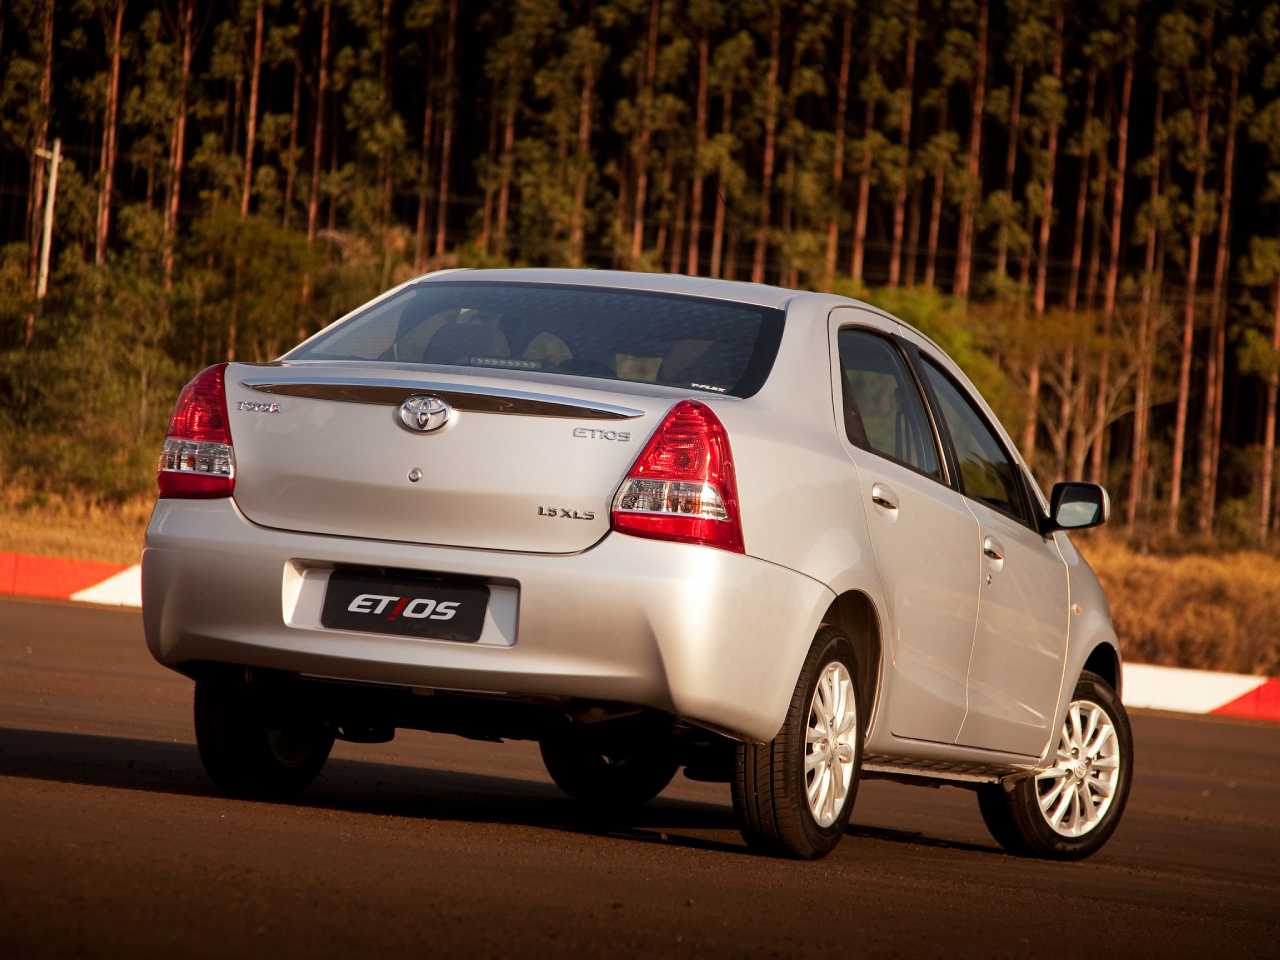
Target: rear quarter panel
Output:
[(796, 485)]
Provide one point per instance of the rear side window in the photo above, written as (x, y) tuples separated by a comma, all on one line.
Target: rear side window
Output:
[(883, 411), (636, 336), (987, 472)]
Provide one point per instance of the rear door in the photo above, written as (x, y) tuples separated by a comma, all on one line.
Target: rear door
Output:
[(923, 535), (1019, 648)]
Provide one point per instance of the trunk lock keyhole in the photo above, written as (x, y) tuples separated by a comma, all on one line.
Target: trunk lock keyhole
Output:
[(415, 475)]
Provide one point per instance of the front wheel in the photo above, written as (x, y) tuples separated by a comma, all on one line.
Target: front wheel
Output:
[(254, 745), (793, 796), (1068, 811)]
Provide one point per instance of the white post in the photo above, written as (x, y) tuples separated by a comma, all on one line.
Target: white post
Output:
[(55, 158)]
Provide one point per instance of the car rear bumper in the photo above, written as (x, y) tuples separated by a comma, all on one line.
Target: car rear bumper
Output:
[(710, 636)]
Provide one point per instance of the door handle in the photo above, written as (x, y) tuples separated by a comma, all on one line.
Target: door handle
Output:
[(882, 496), (991, 549)]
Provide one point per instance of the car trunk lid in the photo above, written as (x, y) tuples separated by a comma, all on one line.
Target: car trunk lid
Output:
[(520, 463)]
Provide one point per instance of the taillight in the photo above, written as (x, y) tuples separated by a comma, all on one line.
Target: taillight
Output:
[(198, 460), (682, 486)]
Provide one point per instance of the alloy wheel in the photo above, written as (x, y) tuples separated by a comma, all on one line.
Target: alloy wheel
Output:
[(1076, 792), (830, 743)]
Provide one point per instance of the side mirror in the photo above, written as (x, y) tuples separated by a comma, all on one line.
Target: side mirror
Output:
[(1075, 506)]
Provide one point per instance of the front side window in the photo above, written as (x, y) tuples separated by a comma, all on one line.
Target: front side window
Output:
[(883, 410), (580, 331), (987, 472)]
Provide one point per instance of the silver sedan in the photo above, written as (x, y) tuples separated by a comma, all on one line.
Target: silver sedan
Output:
[(774, 538)]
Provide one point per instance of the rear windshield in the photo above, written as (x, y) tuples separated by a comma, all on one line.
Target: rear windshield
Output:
[(640, 337)]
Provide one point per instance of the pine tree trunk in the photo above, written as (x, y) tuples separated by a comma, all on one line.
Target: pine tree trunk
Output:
[(699, 148), (1146, 326), (446, 133), (186, 17), (491, 163), (333, 170), (1265, 493), (250, 137), (420, 251), (1211, 427), (317, 148), (505, 171), (1082, 196), (1042, 257), (973, 188), (40, 141), (384, 62), (786, 269), (231, 123), (251, 120), (1010, 165), (1068, 413), (731, 257), (718, 224), (864, 195), (770, 145), (1051, 160), (904, 137), (645, 135), (1188, 323), (1095, 236), (837, 157), (35, 197), (317, 143), (913, 238), (108, 163), (935, 209), (664, 217), (677, 231), (577, 225), (291, 168), (1097, 456)]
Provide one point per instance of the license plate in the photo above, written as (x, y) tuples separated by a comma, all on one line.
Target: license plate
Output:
[(436, 610)]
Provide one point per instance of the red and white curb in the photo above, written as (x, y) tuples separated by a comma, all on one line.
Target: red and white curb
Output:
[(1145, 686), (1201, 691), (56, 578)]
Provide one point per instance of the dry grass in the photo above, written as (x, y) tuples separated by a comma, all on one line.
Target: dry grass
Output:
[(1211, 611), (61, 527)]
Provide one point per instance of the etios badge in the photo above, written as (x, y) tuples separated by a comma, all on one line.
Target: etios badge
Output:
[(424, 414)]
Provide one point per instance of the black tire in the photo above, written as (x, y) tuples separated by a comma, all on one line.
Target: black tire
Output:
[(993, 804), (1012, 812), (769, 784), (609, 774), (253, 745)]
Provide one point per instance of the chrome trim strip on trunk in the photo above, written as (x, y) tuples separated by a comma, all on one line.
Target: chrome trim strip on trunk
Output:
[(479, 400)]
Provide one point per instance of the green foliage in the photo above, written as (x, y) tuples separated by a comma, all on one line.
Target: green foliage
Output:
[(570, 80)]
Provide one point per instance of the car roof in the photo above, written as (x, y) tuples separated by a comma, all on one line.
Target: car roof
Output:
[(739, 291), (756, 294)]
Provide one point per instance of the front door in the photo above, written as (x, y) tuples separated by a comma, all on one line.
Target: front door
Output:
[(1019, 647)]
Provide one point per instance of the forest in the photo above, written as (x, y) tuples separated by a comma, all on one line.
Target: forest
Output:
[(1080, 201)]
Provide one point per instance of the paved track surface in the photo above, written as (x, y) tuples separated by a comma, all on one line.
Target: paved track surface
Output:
[(113, 843)]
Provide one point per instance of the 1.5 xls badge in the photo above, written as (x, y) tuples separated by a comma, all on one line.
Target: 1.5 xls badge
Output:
[(563, 513)]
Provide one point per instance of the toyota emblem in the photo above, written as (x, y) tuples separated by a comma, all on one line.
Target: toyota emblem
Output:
[(423, 414)]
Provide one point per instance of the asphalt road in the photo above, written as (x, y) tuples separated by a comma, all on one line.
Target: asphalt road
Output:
[(113, 843)]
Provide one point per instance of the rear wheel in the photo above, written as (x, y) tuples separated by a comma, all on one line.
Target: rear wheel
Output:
[(608, 773), (793, 796), (254, 745), (1068, 811)]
